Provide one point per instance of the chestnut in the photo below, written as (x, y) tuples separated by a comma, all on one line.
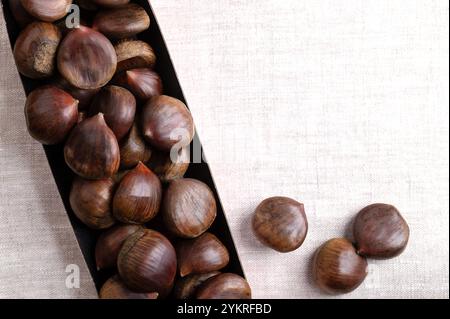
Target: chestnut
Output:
[(201, 255), (144, 83), (280, 223), (115, 288), (91, 150), (186, 287), (166, 122), (122, 22), (133, 149), (91, 202), (109, 244), (84, 96), (188, 207), (89, 5), (50, 114), (168, 168), (35, 50), (134, 54), (19, 13), (337, 268), (86, 58), (138, 196), (147, 262), (380, 231), (118, 106), (110, 3), (45, 10), (225, 286)]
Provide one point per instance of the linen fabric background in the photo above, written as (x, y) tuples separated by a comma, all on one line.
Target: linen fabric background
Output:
[(337, 104)]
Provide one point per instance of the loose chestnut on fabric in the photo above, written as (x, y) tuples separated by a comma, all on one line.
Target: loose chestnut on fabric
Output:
[(166, 121), (147, 262), (50, 114), (92, 150), (118, 106), (337, 268), (188, 208), (134, 54), (138, 196), (186, 287), (109, 244), (225, 286), (46, 10), (280, 223), (19, 13), (380, 231), (91, 202), (86, 58), (122, 22), (201, 255), (115, 288), (170, 166), (133, 149), (144, 83), (35, 50)]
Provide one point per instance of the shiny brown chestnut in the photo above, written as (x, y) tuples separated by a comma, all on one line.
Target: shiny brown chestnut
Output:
[(81, 117), (280, 223), (45, 10), (110, 3), (122, 22), (86, 58), (19, 13), (147, 262), (138, 197), (35, 50), (91, 202), (186, 287), (133, 149), (134, 54), (91, 150), (50, 114), (337, 268), (380, 231), (166, 121), (144, 83), (188, 207), (115, 288), (84, 97), (109, 244), (118, 106), (170, 166), (201, 255), (225, 286)]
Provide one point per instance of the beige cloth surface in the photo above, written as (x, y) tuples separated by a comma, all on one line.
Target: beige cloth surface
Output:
[(337, 104)]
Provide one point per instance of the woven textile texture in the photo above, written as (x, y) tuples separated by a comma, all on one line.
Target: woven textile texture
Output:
[(337, 104)]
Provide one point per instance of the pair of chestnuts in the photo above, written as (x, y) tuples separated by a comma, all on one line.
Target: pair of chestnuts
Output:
[(104, 102)]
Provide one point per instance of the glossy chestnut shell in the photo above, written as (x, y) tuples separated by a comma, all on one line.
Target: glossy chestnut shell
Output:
[(186, 287), (118, 106), (86, 58), (122, 22), (35, 50), (91, 202), (83, 96), (188, 207), (380, 231), (337, 268), (110, 3), (50, 114), (115, 288), (138, 197), (147, 262), (19, 13), (167, 121), (170, 166), (110, 242), (91, 150), (225, 286), (280, 223), (201, 255), (144, 83), (133, 149), (46, 10), (134, 54)]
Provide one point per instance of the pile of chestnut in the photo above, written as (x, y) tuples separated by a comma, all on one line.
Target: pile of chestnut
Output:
[(101, 98), (339, 265)]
